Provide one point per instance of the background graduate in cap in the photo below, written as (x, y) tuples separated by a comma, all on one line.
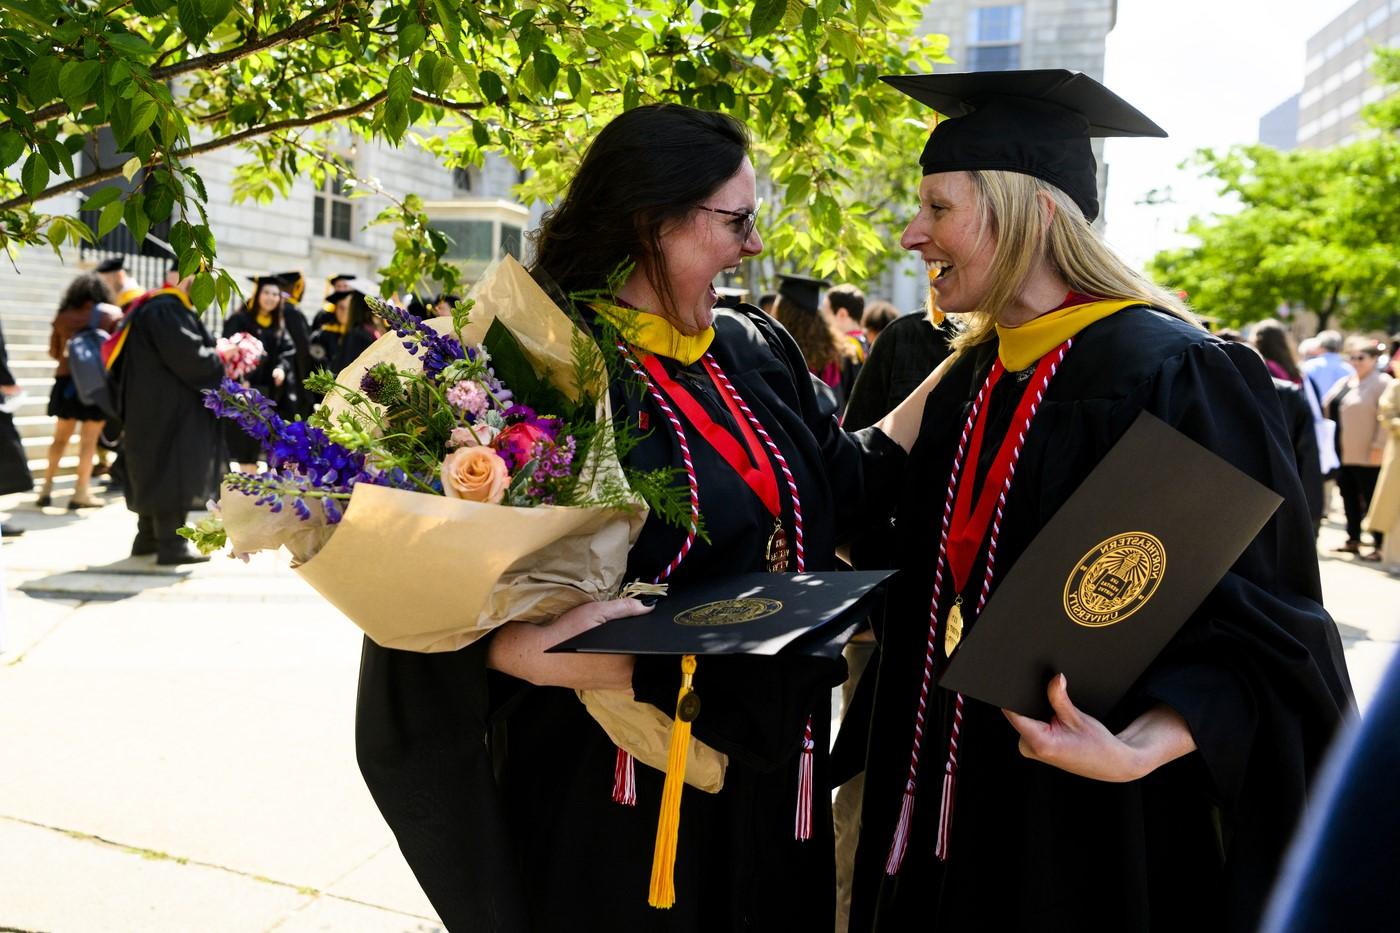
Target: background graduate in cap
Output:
[(349, 332), (1174, 813), (299, 330), (123, 287), (264, 315), (831, 357)]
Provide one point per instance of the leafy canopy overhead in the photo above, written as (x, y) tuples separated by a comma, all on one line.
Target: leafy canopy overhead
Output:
[(172, 79)]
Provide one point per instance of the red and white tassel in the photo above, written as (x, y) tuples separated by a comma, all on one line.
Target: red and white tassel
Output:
[(945, 815), (803, 828), (901, 832), (625, 779)]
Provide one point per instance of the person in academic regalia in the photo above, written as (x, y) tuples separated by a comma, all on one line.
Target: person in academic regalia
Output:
[(1174, 813), (123, 287), (340, 282), (497, 783), (299, 330), (14, 465), (264, 316), (174, 452), (832, 357), (335, 345)]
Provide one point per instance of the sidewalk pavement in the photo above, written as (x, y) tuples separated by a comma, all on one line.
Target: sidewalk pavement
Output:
[(177, 747)]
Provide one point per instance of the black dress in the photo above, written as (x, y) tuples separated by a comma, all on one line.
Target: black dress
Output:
[(535, 842), (1257, 673), (281, 351), (14, 465)]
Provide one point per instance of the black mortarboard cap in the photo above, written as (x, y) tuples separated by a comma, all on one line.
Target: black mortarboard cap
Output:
[(347, 276), (335, 296), (260, 280), (115, 264), (802, 291), (1033, 122)]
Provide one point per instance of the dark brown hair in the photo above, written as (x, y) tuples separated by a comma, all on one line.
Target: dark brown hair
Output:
[(1273, 343), (645, 170), (87, 289)]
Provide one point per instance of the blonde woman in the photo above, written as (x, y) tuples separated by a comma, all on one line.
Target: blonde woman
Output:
[(1174, 812)]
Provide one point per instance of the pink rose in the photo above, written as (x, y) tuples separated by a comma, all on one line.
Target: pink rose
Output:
[(477, 434), (517, 442), (475, 473)]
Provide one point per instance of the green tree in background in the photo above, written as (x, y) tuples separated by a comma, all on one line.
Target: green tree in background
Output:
[(532, 81), (1320, 228)]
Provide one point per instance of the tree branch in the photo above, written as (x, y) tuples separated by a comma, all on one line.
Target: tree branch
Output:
[(301, 29), (222, 142)]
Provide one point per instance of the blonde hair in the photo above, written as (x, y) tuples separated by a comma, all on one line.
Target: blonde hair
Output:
[(1010, 210)]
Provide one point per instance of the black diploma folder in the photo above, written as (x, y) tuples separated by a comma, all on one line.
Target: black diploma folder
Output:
[(1112, 576), (754, 613)]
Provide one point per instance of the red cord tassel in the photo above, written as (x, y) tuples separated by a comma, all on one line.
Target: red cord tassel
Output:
[(945, 814), (624, 779), (901, 832), (803, 829)]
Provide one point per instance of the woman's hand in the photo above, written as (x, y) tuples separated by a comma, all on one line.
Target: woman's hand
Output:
[(1076, 742), (278, 376), (518, 649)]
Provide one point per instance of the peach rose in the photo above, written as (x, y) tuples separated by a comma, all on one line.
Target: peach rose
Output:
[(475, 473)]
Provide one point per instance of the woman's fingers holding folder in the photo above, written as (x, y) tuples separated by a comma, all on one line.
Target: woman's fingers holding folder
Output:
[(1076, 742)]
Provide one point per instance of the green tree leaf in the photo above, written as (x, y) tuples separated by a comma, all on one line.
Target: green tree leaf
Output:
[(767, 15), (101, 198), (202, 290), (109, 218), (35, 175), (546, 68)]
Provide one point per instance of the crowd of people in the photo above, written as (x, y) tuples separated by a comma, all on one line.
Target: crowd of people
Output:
[(940, 446)]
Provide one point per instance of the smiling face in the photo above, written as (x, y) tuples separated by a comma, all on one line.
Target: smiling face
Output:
[(947, 234), (269, 298), (703, 244)]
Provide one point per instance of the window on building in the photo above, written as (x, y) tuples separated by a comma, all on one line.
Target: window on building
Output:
[(464, 179), (994, 36), (510, 240), (333, 215)]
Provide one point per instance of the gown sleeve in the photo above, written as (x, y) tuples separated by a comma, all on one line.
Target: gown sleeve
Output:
[(179, 340), (1257, 672)]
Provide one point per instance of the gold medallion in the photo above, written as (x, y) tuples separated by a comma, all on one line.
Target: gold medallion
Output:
[(776, 554), (952, 629), (1115, 579)]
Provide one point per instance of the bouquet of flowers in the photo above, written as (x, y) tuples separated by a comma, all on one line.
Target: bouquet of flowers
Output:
[(462, 473), (481, 441), (241, 354)]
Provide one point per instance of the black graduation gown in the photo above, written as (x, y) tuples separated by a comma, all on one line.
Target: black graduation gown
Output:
[(173, 445), (544, 847), (1257, 673), (299, 332), (281, 351), (14, 465)]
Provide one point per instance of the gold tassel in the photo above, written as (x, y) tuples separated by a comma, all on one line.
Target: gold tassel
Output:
[(668, 824)]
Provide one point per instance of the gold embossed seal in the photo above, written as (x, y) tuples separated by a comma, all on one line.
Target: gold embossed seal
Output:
[(1115, 579), (730, 611)]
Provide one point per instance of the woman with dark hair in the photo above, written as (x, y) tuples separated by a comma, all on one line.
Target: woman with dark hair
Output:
[(831, 356), (1273, 343), (509, 801), (351, 330), (275, 377), (1173, 811), (86, 303)]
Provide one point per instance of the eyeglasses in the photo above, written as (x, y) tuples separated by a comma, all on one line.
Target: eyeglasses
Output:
[(1358, 357), (749, 218)]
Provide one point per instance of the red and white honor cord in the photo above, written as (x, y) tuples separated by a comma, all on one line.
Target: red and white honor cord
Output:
[(900, 843), (625, 768), (802, 824)]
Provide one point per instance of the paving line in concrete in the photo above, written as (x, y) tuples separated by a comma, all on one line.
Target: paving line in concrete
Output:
[(304, 890)]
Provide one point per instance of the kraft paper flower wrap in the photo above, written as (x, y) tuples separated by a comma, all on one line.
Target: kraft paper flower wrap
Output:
[(421, 571)]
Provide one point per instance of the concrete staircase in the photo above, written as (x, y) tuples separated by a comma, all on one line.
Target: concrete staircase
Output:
[(30, 290)]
